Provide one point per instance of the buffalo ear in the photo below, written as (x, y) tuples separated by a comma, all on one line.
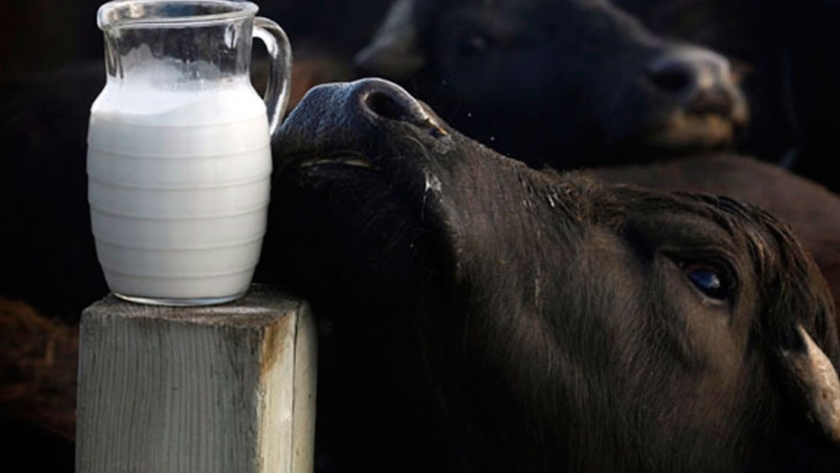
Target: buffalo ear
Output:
[(393, 52), (814, 382)]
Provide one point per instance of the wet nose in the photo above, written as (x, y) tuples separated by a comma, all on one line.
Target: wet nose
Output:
[(381, 100), (347, 114), (700, 81)]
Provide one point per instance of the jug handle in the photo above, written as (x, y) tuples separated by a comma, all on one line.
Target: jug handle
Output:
[(279, 70)]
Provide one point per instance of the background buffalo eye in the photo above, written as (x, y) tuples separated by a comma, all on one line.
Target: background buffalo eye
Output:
[(472, 45), (708, 280)]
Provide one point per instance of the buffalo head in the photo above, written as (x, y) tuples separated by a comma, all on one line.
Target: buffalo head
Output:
[(484, 316), (566, 82)]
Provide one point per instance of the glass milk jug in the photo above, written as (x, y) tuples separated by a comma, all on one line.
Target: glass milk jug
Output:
[(179, 157)]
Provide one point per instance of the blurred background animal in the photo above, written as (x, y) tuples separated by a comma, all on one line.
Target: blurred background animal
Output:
[(616, 82), (783, 50), (567, 83)]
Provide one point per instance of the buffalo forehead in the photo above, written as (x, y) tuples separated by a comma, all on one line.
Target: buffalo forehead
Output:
[(668, 230)]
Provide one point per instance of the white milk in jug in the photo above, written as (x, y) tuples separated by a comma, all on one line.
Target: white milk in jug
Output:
[(178, 188)]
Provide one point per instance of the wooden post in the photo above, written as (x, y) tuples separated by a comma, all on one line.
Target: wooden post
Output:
[(200, 389)]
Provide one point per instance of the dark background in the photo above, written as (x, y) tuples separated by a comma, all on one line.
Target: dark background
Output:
[(48, 49), (46, 35)]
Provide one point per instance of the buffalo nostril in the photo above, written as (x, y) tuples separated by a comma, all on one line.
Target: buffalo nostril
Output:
[(672, 76), (385, 106), (698, 81), (383, 100)]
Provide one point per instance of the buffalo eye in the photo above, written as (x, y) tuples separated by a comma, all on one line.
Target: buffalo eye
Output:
[(708, 280)]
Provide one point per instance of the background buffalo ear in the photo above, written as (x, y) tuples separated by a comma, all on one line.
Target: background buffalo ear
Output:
[(813, 380), (393, 52)]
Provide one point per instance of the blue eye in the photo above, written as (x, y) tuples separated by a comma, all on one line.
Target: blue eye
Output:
[(707, 280)]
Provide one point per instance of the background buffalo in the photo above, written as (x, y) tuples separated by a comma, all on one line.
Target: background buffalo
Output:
[(575, 76), (783, 49), (566, 83)]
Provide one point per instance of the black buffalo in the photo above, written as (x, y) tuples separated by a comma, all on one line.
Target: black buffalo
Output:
[(810, 209), (785, 49), (752, 35), (490, 317), (543, 79)]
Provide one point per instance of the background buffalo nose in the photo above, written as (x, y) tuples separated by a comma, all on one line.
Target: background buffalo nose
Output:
[(699, 81)]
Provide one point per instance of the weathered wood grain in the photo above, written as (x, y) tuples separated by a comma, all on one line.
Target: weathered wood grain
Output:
[(201, 389)]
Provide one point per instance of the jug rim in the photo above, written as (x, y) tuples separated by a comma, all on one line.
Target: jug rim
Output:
[(108, 16)]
